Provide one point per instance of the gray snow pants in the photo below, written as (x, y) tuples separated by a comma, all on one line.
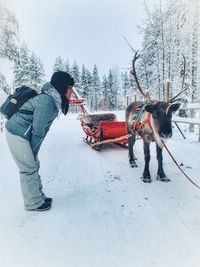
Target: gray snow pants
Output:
[(30, 181)]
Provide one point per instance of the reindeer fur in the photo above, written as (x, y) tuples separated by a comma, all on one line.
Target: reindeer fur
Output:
[(93, 120), (158, 128)]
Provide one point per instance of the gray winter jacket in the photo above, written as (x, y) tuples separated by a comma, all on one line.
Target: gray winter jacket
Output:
[(35, 127)]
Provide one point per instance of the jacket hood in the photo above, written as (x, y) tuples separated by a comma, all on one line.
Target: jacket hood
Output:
[(49, 89)]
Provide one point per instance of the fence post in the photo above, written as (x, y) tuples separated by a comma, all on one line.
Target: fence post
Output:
[(2, 122)]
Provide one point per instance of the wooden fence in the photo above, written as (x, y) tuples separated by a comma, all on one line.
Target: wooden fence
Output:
[(191, 108)]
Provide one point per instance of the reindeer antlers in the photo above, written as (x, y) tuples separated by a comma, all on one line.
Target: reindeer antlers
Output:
[(133, 72), (183, 83), (146, 95)]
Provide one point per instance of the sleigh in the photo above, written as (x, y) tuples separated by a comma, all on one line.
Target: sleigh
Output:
[(100, 128), (103, 129)]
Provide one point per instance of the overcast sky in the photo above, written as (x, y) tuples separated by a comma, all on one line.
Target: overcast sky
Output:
[(88, 31)]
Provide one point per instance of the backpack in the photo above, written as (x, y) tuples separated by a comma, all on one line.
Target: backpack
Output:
[(14, 101)]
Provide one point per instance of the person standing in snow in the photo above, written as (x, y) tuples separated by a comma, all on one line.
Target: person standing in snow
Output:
[(26, 132)]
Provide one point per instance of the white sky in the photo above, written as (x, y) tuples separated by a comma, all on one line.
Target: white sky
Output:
[(90, 31)]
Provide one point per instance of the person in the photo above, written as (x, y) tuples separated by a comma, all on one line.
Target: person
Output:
[(25, 132)]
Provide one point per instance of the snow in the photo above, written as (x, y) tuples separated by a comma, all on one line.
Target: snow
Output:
[(3, 96), (103, 215)]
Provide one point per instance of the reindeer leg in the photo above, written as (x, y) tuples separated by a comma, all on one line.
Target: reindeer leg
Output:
[(161, 176), (132, 158), (146, 177), (130, 111)]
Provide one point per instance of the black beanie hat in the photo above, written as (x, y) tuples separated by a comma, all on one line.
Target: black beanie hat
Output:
[(61, 80)]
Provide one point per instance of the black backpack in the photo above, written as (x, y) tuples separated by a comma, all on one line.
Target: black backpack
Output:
[(16, 100)]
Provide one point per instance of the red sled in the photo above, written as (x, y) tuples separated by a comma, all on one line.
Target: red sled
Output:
[(100, 128), (103, 129)]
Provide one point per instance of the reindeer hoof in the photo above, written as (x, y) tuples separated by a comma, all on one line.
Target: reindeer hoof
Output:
[(133, 165), (146, 179), (163, 179)]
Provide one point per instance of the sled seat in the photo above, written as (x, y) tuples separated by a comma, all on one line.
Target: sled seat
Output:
[(93, 120)]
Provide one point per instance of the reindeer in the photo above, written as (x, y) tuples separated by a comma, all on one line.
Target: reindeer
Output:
[(153, 122)]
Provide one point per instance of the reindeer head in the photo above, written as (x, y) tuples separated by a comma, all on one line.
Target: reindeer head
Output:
[(162, 117)]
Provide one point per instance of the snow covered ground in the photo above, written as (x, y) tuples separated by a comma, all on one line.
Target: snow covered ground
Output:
[(103, 214)]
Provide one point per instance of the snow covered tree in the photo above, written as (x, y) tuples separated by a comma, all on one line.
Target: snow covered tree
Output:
[(84, 82), (28, 69), (116, 84), (151, 66), (4, 85), (90, 89), (169, 31), (125, 92), (22, 67), (96, 87), (75, 72), (9, 30), (125, 83), (59, 64), (36, 72), (111, 98), (195, 92), (105, 91), (67, 66)]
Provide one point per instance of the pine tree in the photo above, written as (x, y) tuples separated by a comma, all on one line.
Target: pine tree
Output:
[(116, 84), (96, 87), (36, 72), (111, 99), (125, 83), (105, 91), (22, 68), (59, 64), (169, 32), (77, 77), (67, 66), (195, 52), (9, 30), (84, 82), (90, 88), (4, 85), (124, 94)]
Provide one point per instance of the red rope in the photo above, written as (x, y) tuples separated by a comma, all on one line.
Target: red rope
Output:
[(180, 167)]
